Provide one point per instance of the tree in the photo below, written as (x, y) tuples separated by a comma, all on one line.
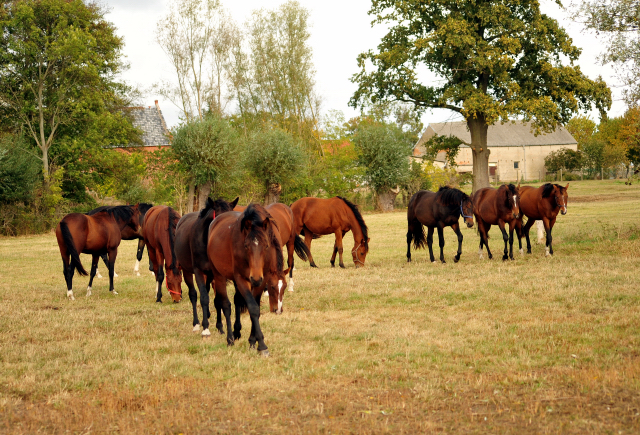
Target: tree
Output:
[(208, 150), (18, 170), (449, 144), (275, 158), (619, 21), (383, 150), (494, 60), (58, 60), (581, 128), (564, 158)]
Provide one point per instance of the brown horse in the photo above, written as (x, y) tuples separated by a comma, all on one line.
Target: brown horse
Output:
[(159, 232), (96, 235), (128, 234), (497, 207), (316, 217), (543, 203), (241, 248), (437, 210), (192, 234)]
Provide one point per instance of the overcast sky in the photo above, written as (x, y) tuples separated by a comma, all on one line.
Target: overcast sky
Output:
[(340, 30)]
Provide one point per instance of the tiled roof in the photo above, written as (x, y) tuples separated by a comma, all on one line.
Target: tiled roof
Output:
[(151, 122)]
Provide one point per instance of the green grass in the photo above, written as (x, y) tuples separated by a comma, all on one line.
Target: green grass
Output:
[(532, 345)]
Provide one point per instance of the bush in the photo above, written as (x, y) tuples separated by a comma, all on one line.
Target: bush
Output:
[(564, 158), (19, 171)]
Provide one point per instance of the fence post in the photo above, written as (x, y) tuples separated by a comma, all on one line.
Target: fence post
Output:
[(601, 174), (581, 174), (540, 176), (561, 175)]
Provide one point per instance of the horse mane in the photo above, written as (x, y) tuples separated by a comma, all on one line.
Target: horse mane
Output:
[(219, 203), (256, 214), (450, 196), (173, 221), (363, 226), (510, 191), (548, 188), (118, 212)]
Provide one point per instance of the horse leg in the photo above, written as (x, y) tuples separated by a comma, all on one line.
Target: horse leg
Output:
[(136, 268), (105, 260), (338, 245), (409, 239), (239, 303), (291, 273), (441, 242), (217, 303), (526, 229), (512, 225), (456, 229), (290, 251), (193, 297), (335, 251), (518, 226), (505, 237), (548, 225), (252, 337), (308, 237), (430, 244), (485, 237), (203, 286), (254, 312), (112, 262), (94, 267), (159, 270), (68, 270)]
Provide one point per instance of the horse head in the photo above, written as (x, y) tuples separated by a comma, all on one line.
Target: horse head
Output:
[(257, 231), (276, 288), (174, 283), (359, 252), (561, 196), (218, 206), (466, 210), (513, 199)]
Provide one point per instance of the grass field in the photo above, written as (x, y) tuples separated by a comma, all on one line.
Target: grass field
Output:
[(535, 345)]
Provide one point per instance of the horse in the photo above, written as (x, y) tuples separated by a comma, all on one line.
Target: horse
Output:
[(192, 233), (542, 203), (97, 234), (497, 207), (127, 234), (241, 248), (437, 210), (159, 232), (316, 217)]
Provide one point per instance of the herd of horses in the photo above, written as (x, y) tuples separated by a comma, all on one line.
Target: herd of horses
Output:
[(225, 242)]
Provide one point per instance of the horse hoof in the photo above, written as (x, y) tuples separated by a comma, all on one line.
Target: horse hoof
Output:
[(206, 333), (196, 328), (456, 259), (505, 257), (88, 291), (70, 295), (230, 343), (221, 331), (264, 353), (521, 251), (158, 301), (433, 262), (333, 265), (114, 292), (137, 273), (342, 266), (115, 275), (290, 285)]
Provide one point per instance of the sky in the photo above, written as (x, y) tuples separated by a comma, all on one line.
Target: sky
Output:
[(340, 30)]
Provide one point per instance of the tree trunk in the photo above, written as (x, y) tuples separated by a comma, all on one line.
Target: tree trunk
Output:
[(273, 194), (386, 199), (478, 128), (190, 195), (203, 193)]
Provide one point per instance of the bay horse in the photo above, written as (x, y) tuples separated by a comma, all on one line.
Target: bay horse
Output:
[(437, 210), (128, 234), (542, 204), (497, 207), (96, 235), (192, 233), (316, 217), (159, 232), (241, 248)]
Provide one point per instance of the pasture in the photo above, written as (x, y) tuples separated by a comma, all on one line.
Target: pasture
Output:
[(535, 345)]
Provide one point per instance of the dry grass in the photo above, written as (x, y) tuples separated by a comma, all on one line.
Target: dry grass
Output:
[(535, 345)]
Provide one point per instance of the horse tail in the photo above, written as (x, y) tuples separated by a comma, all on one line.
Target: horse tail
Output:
[(71, 249), (419, 238), (301, 249)]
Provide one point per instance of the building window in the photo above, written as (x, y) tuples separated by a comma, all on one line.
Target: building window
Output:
[(516, 165)]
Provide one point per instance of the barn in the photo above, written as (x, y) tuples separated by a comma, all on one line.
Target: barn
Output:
[(155, 134), (516, 153)]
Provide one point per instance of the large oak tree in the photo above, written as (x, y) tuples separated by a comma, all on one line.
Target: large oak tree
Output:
[(496, 60)]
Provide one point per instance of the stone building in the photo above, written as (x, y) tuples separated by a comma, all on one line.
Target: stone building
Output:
[(155, 134), (516, 153)]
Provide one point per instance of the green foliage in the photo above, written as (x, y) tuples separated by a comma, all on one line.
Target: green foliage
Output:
[(340, 172), (383, 151), (418, 179), (208, 149), (449, 144), (593, 154), (18, 170), (275, 157), (564, 158), (581, 128)]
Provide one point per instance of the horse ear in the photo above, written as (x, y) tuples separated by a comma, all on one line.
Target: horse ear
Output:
[(566, 187), (234, 202), (209, 203), (368, 239)]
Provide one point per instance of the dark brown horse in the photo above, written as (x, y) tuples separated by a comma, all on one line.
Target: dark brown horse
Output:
[(317, 217), (159, 232), (96, 235), (241, 248), (437, 210), (192, 234), (128, 234), (497, 207), (542, 204)]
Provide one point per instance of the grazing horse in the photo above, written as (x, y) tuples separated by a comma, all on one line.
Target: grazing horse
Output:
[(98, 234), (128, 234), (497, 207), (437, 210), (159, 232), (317, 217), (241, 248), (283, 217), (543, 204), (192, 234)]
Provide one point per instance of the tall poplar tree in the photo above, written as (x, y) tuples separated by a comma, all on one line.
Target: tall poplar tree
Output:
[(495, 60)]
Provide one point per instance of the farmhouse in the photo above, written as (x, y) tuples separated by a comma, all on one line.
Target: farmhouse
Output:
[(516, 153), (155, 134)]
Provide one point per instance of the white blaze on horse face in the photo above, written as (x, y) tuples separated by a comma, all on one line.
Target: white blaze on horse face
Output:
[(255, 242), (515, 201)]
